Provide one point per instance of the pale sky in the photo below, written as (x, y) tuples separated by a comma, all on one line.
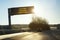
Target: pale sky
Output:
[(49, 9)]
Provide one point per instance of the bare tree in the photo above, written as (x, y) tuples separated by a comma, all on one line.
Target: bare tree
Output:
[(38, 24)]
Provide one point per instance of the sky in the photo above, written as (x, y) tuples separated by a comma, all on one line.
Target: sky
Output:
[(49, 9)]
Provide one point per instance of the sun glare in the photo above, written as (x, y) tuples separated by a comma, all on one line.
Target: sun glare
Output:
[(38, 10), (26, 19)]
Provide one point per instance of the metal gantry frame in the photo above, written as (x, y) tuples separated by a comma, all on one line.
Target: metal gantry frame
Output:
[(16, 9)]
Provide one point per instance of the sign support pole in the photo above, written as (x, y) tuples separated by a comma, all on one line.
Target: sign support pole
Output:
[(9, 19)]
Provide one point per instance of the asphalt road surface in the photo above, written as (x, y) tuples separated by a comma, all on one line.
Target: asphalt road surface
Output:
[(46, 35)]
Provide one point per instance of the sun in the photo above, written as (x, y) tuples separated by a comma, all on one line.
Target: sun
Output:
[(26, 19), (38, 11)]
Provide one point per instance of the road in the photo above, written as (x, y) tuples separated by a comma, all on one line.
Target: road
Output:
[(46, 35), (11, 35)]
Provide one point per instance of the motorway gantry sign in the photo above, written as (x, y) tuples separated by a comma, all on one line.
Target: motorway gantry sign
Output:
[(20, 10)]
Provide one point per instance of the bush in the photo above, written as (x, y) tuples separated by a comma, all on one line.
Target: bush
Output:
[(38, 24)]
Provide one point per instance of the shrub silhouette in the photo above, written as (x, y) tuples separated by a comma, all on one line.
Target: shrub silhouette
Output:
[(38, 24)]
